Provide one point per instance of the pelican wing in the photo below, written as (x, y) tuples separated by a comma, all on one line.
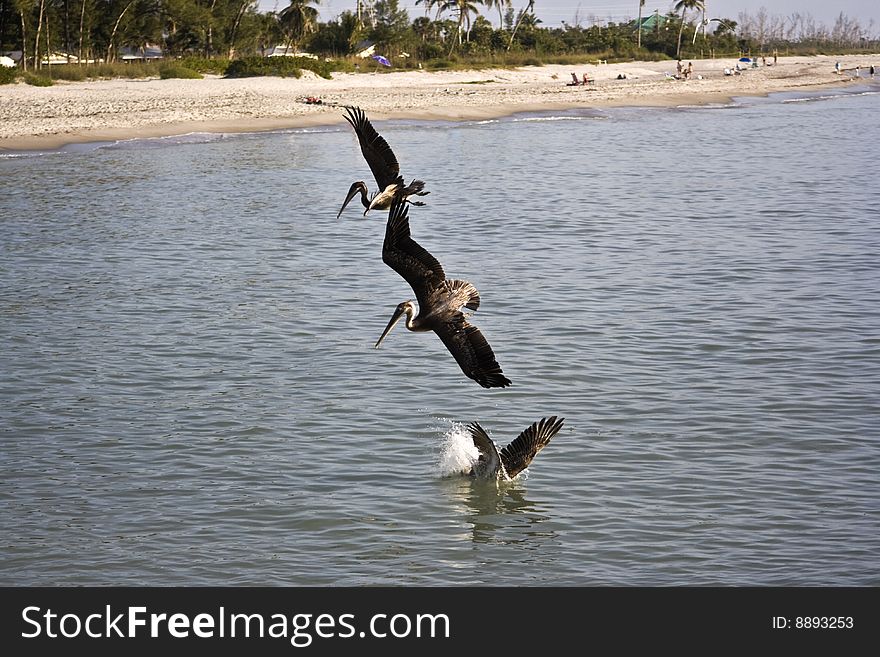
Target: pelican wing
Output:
[(407, 257), (472, 352), (519, 453), (488, 452), (376, 150)]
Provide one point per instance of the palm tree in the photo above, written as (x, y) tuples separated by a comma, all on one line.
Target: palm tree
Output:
[(500, 4), (110, 42), (530, 8), (350, 28), (298, 20), (236, 23), (429, 4), (703, 23), (683, 6), (639, 42), (464, 9)]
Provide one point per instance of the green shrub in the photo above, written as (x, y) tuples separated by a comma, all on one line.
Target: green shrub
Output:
[(168, 71), (319, 67), (431, 50), (438, 64), (284, 67), (131, 70), (69, 72), (38, 80), (344, 65), (204, 65), (8, 75), (256, 66)]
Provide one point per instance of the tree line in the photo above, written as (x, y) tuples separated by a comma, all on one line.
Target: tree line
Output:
[(98, 30)]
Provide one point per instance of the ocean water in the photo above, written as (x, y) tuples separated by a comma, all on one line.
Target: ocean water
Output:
[(190, 393)]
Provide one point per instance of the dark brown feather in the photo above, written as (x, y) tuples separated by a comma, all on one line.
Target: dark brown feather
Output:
[(376, 150), (520, 452), (488, 463), (472, 352), (407, 257)]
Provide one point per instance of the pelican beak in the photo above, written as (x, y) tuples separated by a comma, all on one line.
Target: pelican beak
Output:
[(394, 319), (352, 191)]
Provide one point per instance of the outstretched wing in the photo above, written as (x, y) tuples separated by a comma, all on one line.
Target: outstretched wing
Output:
[(519, 453), (407, 257), (472, 352), (376, 150), (488, 452)]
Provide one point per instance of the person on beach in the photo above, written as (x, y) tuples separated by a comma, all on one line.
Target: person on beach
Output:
[(678, 68), (837, 67), (690, 71), (872, 70)]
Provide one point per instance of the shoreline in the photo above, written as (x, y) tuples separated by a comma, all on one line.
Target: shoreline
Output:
[(48, 118)]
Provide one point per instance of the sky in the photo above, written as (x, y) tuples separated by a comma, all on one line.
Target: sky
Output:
[(553, 12)]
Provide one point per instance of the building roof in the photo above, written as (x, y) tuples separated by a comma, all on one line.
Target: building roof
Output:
[(147, 52), (650, 22)]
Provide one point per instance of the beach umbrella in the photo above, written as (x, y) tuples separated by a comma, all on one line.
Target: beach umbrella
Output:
[(381, 60), (745, 59)]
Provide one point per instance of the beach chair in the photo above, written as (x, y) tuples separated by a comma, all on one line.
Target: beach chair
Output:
[(584, 82)]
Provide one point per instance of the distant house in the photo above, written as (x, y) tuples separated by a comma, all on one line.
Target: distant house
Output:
[(650, 23), (288, 51), (60, 58), (279, 51), (364, 49), (148, 53), (13, 58), (14, 55)]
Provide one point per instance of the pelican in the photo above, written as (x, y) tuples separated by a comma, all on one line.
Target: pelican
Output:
[(383, 164), (440, 302), (516, 457)]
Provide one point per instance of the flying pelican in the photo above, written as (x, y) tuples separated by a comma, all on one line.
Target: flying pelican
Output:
[(383, 164), (513, 459), (440, 301)]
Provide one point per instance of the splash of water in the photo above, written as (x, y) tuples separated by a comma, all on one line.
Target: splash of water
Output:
[(457, 452)]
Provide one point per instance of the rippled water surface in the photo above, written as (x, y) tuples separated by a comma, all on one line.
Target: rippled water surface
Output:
[(190, 393)]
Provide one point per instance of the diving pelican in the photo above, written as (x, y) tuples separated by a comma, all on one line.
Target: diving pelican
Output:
[(440, 302), (516, 457), (383, 164)]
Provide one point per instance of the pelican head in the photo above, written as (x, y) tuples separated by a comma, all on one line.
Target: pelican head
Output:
[(407, 308), (352, 192)]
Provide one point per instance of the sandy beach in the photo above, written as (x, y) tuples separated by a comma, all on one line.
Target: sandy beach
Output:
[(71, 112)]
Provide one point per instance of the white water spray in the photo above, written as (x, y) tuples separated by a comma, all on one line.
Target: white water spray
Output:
[(457, 452)]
